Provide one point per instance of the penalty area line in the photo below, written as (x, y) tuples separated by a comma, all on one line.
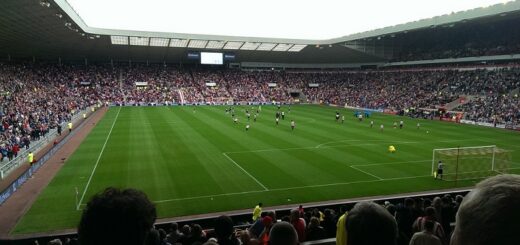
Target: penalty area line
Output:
[(243, 170), (290, 188)]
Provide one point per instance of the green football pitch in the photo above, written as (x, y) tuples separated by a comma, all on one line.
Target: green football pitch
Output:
[(195, 160)]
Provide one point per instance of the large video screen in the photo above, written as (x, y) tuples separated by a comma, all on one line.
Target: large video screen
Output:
[(211, 58)]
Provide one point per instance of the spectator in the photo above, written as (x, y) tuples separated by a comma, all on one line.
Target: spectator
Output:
[(225, 232), (437, 230), (315, 231), (489, 214), (426, 236), (264, 236), (173, 235), (298, 223), (283, 233), (369, 223), (117, 216)]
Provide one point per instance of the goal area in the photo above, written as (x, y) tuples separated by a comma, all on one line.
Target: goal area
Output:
[(471, 162)]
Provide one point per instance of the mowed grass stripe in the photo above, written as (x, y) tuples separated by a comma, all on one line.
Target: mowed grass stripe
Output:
[(175, 155)]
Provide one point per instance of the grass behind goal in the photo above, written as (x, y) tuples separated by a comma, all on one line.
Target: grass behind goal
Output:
[(195, 160)]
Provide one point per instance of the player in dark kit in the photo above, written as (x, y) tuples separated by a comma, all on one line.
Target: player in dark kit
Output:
[(283, 115), (277, 114), (337, 116), (440, 170), (401, 124)]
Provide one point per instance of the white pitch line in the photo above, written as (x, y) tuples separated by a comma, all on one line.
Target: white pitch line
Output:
[(338, 146), (390, 163), (291, 188), (252, 177), (208, 196), (97, 161), (373, 175)]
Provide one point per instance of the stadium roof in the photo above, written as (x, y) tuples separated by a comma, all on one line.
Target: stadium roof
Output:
[(50, 29), (291, 19)]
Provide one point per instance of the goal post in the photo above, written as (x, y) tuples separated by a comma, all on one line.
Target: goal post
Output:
[(471, 162)]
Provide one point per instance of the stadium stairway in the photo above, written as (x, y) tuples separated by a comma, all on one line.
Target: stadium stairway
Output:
[(181, 95), (462, 100)]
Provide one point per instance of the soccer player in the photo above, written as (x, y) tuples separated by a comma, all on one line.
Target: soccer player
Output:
[(391, 149), (440, 167), (401, 124), (382, 127), (248, 116), (277, 114), (418, 125), (360, 117), (247, 127), (70, 126), (283, 115), (235, 120), (395, 124), (254, 118), (292, 124), (277, 120), (343, 119), (337, 116), (372, 124)]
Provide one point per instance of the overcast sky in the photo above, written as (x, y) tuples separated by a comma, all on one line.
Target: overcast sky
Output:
[(298, 19)]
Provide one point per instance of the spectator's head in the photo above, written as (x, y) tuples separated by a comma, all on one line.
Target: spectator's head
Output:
[(174, 226), (283, 233), (224, 227), (315, 222), (489, 214), (369, 223), (430, 212), (196, 230), (267, 221), (117, 216), (186, 230), (428, 226), (272, 214), (295, 215)]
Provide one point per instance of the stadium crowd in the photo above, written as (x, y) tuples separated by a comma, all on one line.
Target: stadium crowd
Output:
[(485, 216), (35, 98)]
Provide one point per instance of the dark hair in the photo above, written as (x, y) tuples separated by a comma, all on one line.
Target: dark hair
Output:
[(224, 227), (428, 225), (489, 213), (430, 212), (174, 226), (283, 233), (117, 216), (369, 223)]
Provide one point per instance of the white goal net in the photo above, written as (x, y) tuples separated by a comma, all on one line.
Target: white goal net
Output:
[(471, 162)]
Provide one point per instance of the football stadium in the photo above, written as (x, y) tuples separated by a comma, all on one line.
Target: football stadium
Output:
[(227, 122)]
